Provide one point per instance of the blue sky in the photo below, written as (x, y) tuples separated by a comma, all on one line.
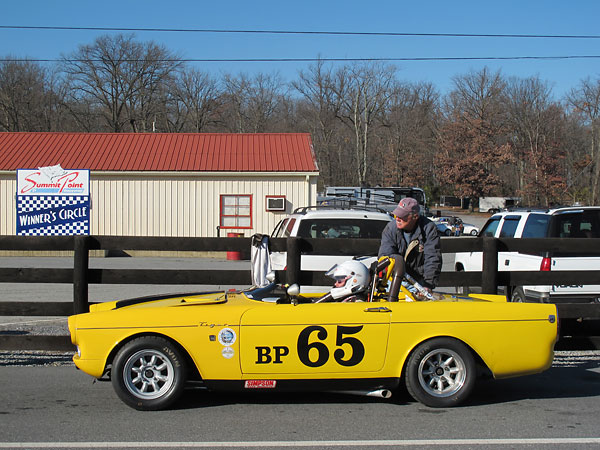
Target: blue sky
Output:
[(551, 17)]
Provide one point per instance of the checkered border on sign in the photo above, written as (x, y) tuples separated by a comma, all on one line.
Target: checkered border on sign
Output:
[(70, 229), (27, 203)]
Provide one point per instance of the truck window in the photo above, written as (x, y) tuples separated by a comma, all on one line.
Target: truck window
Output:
[(490, 227), (341, 228), (581, 224), (578, 224), (509, 226), (536, 226)]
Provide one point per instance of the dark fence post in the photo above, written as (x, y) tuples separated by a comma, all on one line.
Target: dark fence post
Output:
[(489, 275), (80, 275), (293, 260)]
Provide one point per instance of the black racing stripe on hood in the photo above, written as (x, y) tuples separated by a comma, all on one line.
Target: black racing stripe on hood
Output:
[(153, 298)]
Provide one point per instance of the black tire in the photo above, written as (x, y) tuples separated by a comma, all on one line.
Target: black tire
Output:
[(473, 232), (149, 373), (447, 232), (440, 373), (517, 295)]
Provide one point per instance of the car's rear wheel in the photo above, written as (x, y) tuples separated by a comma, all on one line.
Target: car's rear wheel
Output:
[(440, 373), (149, 373)]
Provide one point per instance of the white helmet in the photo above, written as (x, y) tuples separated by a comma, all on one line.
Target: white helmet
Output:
[(351, 277)]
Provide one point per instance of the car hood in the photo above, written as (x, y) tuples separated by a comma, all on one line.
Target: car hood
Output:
[(166, 300)]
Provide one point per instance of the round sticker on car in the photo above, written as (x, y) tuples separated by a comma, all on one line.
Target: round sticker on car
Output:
[(227, 336)]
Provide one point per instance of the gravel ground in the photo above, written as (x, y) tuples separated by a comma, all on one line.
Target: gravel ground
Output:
[(54, 326), (47, 358), (29, 358), (37, 326)]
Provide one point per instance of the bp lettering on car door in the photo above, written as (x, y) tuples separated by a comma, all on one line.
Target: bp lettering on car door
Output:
[(314, 338)]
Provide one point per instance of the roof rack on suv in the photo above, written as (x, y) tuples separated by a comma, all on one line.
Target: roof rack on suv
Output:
[(305, 209), (525, 208)]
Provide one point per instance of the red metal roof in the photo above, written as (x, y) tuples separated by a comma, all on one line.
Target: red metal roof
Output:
[(286, 152)]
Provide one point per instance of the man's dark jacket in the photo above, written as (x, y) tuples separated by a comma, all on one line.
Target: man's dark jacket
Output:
[(424, 261)]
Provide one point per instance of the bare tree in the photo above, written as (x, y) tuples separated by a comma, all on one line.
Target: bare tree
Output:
[(585, 102), (26, 98), (363, 92), (266, 96), (537, 130), (319, 108), (251, 103), (119, 77), (411, 137), (200, 95)]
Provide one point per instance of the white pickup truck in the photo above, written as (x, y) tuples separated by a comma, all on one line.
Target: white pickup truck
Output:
[(579, 222)]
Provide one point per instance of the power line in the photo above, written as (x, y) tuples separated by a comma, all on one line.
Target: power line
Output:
[(390, 59), (304, 32)]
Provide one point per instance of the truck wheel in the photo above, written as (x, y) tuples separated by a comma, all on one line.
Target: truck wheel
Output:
[(517, 295), (440, 373), (149, 373)]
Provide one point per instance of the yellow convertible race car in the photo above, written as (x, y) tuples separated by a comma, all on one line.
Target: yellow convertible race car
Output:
[(367, 335)]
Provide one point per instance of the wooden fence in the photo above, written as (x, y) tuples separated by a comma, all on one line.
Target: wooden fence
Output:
[(579, 321)]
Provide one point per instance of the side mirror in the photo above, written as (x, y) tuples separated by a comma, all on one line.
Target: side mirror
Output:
[(271, 276), (293, 290)]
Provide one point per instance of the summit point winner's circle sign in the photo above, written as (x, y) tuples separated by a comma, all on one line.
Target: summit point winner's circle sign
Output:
[(52, 201)]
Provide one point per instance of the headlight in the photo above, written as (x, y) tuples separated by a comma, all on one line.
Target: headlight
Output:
[(78, 352)]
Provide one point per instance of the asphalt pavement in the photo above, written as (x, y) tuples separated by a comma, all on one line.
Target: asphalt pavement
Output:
[(60, 407)]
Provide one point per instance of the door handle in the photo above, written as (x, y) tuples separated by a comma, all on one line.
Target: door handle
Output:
[(506, 262), (378, 309)]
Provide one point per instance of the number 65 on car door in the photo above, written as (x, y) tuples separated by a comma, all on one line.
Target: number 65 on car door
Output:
[(314, 338)]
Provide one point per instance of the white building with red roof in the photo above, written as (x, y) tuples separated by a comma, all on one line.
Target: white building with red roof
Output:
[(152, 184)]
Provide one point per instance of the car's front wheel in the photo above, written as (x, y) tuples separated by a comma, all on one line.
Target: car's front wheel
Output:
[(473, 232), (440, 373), (149, 373)]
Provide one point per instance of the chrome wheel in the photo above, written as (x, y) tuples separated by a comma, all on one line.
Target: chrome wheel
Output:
[(442, 373), (148, 374)]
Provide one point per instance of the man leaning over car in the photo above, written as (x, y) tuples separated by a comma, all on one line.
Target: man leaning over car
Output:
[(416, 239)]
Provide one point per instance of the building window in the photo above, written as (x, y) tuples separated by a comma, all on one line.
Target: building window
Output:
[(236, 211)]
